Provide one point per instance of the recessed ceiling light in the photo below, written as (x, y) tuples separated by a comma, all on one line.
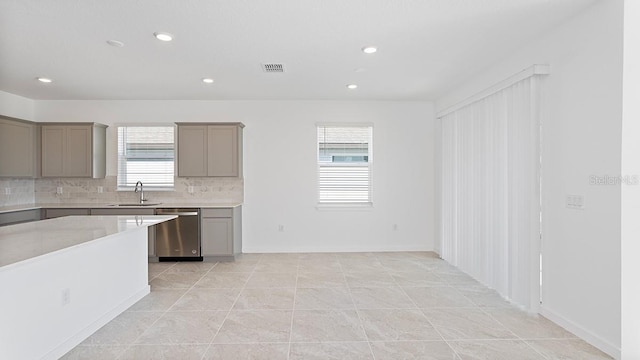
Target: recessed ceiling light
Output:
[(163, 36), (352, 86), (207, 81), (369, 49), (115, 43), (44, 80)]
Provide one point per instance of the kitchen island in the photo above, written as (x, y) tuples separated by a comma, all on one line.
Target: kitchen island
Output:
[(64, 278)]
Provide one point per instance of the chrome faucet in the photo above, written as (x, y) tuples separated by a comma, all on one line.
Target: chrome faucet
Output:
[(142, 199)]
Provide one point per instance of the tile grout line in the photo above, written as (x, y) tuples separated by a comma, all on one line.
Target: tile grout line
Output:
[(181, 296), (170, 307), (373, 356), (192, 287), (161, 272), (513, 341), (156, 320), (483, 309), (517, 336), (428, 320), (525, 340), (229, 311), (454, 286), (293, 308)]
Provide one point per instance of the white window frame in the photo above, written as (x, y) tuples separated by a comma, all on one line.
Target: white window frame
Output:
[(351, 204), (147, 186)]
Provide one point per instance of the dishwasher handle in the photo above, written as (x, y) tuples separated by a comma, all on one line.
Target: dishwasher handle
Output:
[(191, 213)]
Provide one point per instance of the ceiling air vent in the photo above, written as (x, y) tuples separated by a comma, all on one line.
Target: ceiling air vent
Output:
[(273, 68)]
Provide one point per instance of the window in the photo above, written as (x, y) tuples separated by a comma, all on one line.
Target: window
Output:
[(344, 164), (146, 153)]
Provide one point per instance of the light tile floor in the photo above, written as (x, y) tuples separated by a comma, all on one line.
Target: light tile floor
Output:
[(326, 306)]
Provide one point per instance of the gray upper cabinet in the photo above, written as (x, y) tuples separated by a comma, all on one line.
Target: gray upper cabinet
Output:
[(224, 151), (213, 150), (192, 150), (73, 150), (19, 141)]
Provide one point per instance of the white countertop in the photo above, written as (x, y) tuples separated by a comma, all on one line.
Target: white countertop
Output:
[(22, 242), (12, 208)]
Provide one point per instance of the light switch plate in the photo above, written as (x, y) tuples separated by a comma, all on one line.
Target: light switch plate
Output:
[(575, 202)]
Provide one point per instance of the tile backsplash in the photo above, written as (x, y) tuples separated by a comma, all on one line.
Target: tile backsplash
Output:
[(103, 191), (16, 191)]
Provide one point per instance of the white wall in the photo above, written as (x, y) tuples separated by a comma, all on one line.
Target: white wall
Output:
[(16, 106), (581, 137), (631, 194), (280, 170)]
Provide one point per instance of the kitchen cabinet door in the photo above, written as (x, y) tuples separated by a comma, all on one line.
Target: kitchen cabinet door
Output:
[(222, 151), (73, 150), (192, 151), (18, 148), (212, 150), (221, 233), (78, 155), (217, 237), (53, 150), (21, 216)]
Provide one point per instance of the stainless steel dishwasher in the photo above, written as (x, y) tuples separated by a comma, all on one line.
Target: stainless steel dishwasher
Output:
[(178, 239)]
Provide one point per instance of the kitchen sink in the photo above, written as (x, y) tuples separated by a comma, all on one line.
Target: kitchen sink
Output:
[(136, 204)]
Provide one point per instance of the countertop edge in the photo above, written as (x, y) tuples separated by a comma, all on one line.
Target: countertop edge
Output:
[(26, 207), (156, 219)]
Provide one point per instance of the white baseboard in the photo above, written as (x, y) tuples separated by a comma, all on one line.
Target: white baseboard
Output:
[(76, 339), (270, 250), (586, 335)]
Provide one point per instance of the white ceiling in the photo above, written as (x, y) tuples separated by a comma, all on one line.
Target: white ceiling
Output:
[(425, 46)]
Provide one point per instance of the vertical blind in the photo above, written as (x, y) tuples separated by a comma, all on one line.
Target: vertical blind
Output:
[(489, 191), (344, 164), (146, 154)]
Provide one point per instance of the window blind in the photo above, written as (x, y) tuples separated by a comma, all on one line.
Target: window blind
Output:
[(344, 164), (146, 154), (490, 191)]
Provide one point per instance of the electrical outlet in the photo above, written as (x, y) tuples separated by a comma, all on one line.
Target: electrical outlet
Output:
[(100, 189), (7, 191), (281, 228), (190, 189), (59, 190), (66, 296)]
